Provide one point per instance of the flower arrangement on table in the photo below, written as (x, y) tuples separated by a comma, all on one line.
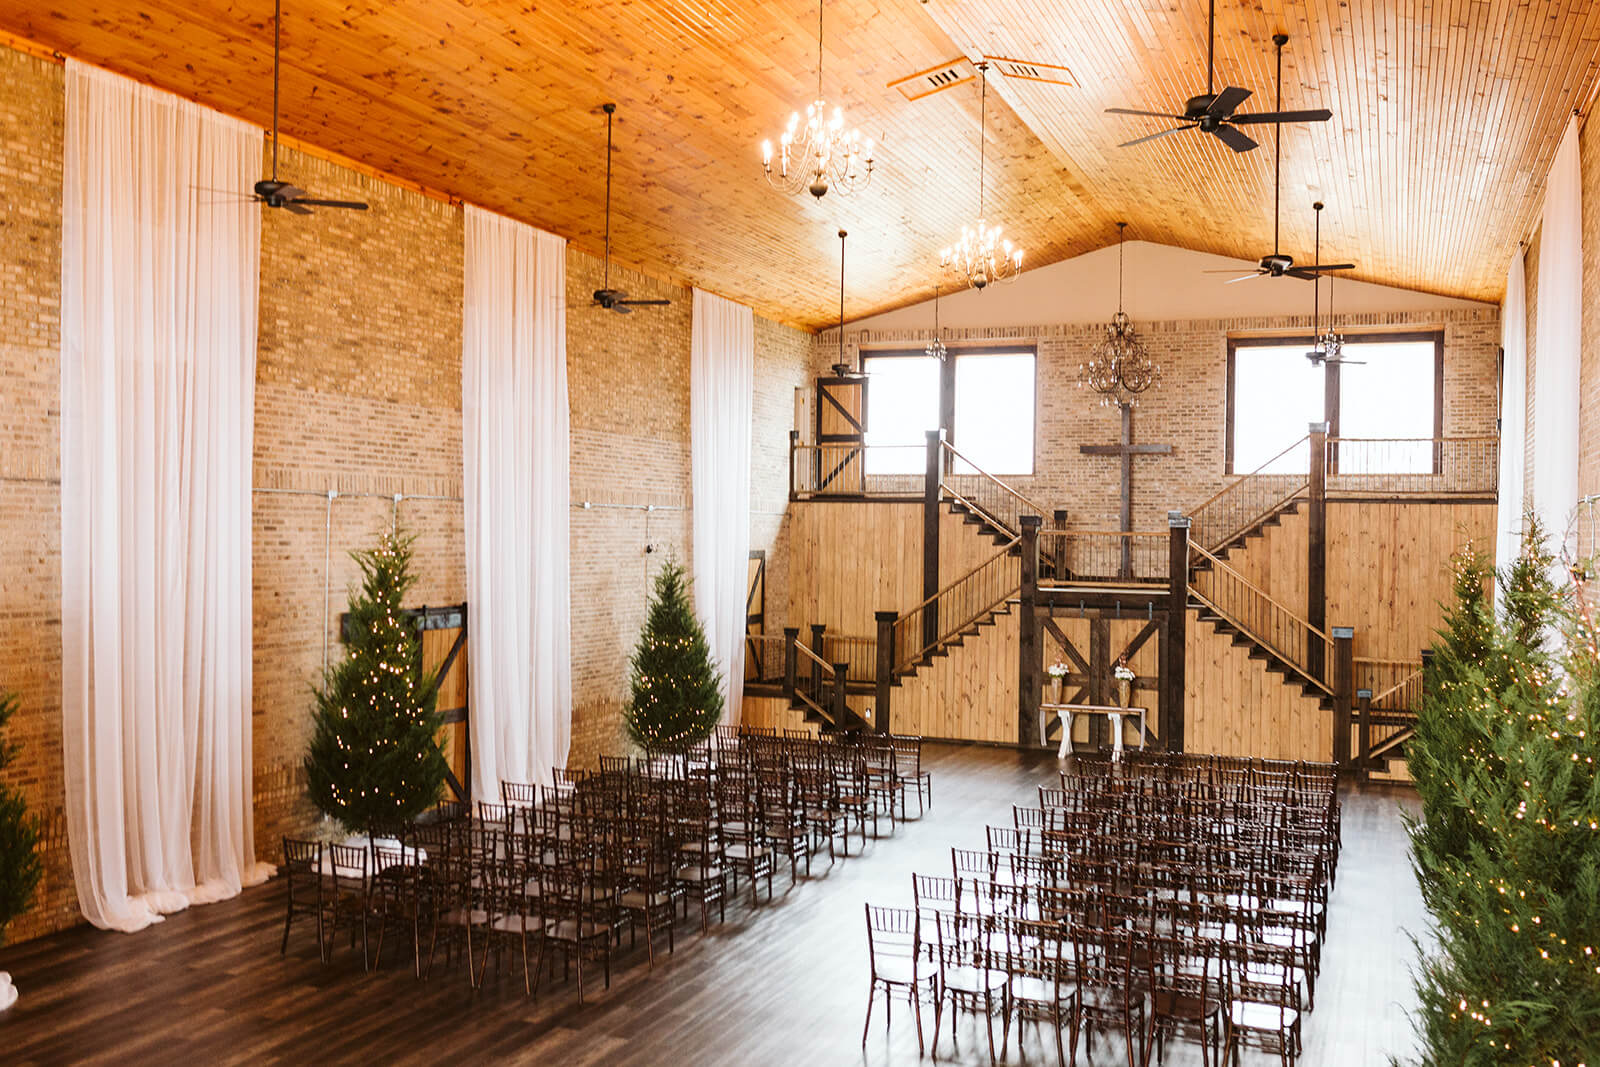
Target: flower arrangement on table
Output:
[(1057, 670), (1122, 672)]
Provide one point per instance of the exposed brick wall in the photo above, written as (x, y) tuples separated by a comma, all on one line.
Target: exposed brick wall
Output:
[(358, 390), (31, 101), (1186, 410)]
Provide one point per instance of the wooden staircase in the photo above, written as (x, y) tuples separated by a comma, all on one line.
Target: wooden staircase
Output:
[(1259, 650)]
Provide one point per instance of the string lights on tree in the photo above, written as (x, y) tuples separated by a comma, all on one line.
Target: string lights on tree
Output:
[(676, 696)]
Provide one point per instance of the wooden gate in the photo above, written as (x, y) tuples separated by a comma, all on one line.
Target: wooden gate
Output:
[(841, 435), (444, 644)]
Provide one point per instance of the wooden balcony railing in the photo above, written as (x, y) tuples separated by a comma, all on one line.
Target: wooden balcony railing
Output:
[(1093, 556), (1395, 684), (1303, 648), (1423, 466), (855, 470)]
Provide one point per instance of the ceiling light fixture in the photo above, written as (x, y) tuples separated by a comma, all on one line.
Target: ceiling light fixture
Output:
[(822, 154), (842, 367), (936, 348), (1119, 368), (982, 257)]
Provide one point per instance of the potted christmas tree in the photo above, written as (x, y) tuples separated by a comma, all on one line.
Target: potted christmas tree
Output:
[(374, 762), (677, 691), (19, 833)]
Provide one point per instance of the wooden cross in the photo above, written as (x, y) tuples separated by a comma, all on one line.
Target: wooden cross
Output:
[(1127, 450)]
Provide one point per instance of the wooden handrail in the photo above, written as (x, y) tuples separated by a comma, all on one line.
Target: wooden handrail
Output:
[(1393, 689), (1009, 545), (1413, 440), (1163, 534), (1033, 509), (1258, 591), (1239, 479), (806, 652)]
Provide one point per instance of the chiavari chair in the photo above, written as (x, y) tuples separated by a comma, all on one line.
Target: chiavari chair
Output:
[(579, 917), (302, 863), (1184, 980), (345, 895), (1110, 991), (1264, 1007), (897, 966), (401, 890), (1041, 983), (910, 774), (966, 982), (649, 896)]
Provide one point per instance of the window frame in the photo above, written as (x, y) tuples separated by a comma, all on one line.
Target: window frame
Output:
[(947, 385), (1331, 378)]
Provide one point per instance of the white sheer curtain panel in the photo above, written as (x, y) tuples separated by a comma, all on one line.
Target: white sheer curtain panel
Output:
[(515, 451), (721, 406), (158, 344), (1556, 340), (1513, 413)]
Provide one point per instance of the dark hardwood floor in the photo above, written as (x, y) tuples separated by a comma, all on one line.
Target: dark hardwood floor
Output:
[(778, 984)]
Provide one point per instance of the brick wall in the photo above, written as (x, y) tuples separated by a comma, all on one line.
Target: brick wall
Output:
[(1187, 409), (358, 391)]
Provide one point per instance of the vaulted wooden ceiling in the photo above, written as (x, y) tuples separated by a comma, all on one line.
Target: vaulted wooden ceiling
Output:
[(1446, 116)]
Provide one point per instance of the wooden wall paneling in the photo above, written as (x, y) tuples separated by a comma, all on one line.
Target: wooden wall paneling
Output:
[(1388, 568), (1237, 707), (436, 645)]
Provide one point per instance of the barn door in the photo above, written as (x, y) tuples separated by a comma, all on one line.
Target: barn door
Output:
[(444, 644), (841, 435)]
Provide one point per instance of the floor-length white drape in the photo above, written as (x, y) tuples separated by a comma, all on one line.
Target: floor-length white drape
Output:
[(1556, 341), (158, 343), (721, 405), (516, 456), (1513, 412)]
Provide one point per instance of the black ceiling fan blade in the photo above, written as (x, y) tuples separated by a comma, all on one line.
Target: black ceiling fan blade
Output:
[(1303, 273), (293, 205), (619, 308), (288, 192), (1154, 136), (350, 205), (1246, 278), (1315, 267), (1227, 102), (1320, 114), (644, 303), (1235, 139), (1146, 114)]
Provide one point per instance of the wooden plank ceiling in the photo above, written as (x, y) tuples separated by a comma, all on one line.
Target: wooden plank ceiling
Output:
[(1446, 116)]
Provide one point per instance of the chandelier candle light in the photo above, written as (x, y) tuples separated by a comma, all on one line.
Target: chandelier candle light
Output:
[(982, 256), (936, 347), (1119, 368), (822, 154)]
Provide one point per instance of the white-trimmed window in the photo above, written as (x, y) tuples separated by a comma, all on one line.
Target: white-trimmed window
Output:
[(992, 403)]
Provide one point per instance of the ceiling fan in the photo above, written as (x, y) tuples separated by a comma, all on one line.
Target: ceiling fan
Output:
[(1215, 113), (273, 192), (1277, 265), (1325, 347), (606, 297)]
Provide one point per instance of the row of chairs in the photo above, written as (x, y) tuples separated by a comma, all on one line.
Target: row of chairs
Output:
[(561, 871), (1161, 897)]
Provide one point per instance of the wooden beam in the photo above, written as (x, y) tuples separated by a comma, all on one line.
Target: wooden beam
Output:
[(1030, 669), (1177, 649)]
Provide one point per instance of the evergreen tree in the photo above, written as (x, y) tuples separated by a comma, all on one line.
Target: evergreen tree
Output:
[(1507, 854), (677, 692), (373, 762), (19, 832)]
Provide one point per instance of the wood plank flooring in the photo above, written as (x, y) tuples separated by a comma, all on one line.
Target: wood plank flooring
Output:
[(783, 983)]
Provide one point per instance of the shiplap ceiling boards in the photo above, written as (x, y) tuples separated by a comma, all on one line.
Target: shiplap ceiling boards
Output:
[(1445, 118)]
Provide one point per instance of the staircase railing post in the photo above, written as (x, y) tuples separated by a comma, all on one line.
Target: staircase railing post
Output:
[(933, 479), (794, 445), (1364, 731), (1174, 680), (1317, 548), (841, 682), (1058, 522), (885, 671), (791, 665), (818, 643), (1030, 667), (1344, 675)]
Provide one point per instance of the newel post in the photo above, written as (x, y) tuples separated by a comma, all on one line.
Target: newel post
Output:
[(1030, 667), (818, 633), (794, 446), (885, 670), (1344, 677), (1364, 731), (1177, 636), (841, 683), (1317, 548), (933, 479), (791, 666)]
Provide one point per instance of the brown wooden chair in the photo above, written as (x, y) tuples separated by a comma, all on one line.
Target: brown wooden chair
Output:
[(401, 892), (302, 880), (346, 896), (966, 982), (1040, 981), (894, 952), (1184, 980)]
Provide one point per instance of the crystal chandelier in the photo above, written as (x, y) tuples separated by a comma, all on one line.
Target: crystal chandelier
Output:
[(936, 348), (982, 256), (1119, 368), (822, 154)]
